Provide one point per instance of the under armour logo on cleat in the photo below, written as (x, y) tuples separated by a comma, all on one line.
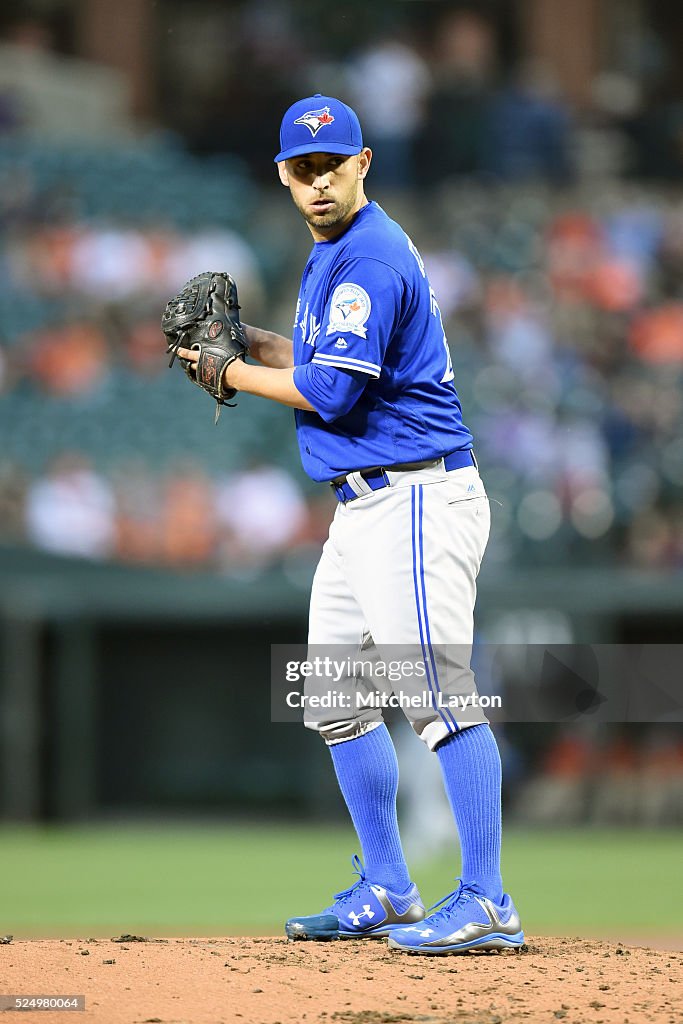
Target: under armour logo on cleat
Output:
[(367, 912)]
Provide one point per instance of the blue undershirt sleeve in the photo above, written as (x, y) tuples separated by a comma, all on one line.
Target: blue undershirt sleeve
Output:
[(332, 391)]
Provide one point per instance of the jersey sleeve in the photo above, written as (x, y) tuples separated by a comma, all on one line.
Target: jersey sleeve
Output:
[(360, 316), (332, 391)]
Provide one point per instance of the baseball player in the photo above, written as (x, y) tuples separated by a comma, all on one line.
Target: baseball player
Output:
[(369, 376)]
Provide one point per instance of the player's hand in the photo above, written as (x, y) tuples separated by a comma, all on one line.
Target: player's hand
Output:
[(231, 372), (191, 355)]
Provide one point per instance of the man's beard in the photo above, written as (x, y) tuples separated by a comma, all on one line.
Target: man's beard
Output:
[(336, 215)]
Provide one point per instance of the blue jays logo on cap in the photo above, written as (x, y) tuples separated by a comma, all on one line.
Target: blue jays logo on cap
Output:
[(315, 119), (306, 118)]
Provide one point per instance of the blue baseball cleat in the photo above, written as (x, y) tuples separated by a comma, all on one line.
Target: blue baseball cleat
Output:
[(364, 911), (464, 921)]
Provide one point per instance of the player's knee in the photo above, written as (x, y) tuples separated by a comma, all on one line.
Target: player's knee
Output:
[(339, 732), (435, 731)]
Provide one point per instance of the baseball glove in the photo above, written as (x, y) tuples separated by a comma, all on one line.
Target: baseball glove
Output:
[(205, 317)]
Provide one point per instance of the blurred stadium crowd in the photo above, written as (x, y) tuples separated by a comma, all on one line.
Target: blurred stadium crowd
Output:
[(563, 311), (442, 89), (626, 777), (561, 776), (556, 264)]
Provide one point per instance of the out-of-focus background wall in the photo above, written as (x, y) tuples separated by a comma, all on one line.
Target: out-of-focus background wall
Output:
[(534, 151)]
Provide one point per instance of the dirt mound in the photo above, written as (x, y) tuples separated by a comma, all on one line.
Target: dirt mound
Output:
[(266, 980)]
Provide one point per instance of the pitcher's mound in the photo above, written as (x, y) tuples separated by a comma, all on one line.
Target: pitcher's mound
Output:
[(265, 980)]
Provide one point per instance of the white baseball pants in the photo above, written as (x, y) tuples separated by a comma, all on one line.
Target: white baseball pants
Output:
[(398, 574)]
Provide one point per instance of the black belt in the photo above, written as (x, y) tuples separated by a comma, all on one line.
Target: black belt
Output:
[(377, 478)]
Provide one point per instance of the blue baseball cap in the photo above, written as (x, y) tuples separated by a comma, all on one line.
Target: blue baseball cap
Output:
[(319, 124)]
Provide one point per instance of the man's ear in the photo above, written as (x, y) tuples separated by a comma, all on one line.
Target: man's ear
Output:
[(282, 171), (364, 161)]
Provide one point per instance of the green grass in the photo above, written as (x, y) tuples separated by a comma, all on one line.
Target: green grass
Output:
[(202, 880)]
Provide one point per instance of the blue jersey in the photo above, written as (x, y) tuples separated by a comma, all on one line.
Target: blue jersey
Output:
[(371, 355)]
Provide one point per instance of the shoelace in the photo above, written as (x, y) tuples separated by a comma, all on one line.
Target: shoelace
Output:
[(358, 869), (450, 902)]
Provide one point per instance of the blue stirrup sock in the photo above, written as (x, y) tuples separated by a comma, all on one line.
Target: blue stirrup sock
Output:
[(367, 772), (470, 764)]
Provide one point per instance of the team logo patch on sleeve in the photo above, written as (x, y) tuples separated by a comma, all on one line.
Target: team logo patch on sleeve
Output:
[(315, 119), (350, 308)]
